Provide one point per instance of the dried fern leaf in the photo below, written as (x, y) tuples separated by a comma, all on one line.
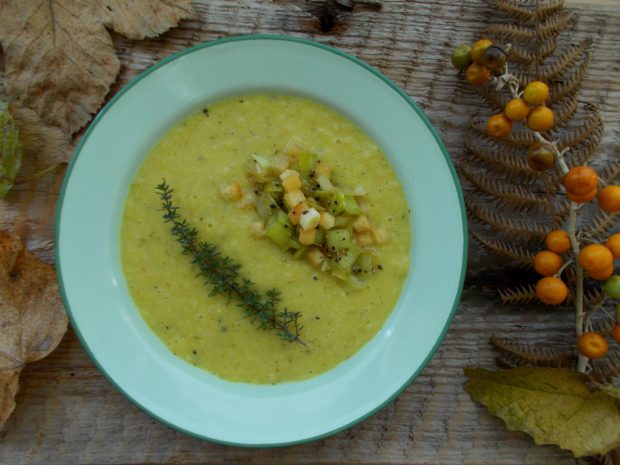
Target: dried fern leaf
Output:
[(570, 83), (594, 297), (494, 99), (565, 110), (583, 152), (510, 32), (550, 8), (567, 59), (601, 224), (515, 194), (511, 10), (590, 126), (555, 24), (500, 222), (534, 354), (510, 167), (605, 369), (611, 171), (525, 56), (516, 253), (520, 295)]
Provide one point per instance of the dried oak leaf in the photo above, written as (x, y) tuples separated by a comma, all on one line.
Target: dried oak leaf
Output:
[(59, 57), (553, 405), (32, 317)]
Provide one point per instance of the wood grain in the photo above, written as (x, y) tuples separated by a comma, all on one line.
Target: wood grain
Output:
[(67, 411)]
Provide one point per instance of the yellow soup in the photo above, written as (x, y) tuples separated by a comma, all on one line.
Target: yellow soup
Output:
[(212, 148)]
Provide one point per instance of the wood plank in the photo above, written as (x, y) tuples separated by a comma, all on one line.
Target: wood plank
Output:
[(68, 413)]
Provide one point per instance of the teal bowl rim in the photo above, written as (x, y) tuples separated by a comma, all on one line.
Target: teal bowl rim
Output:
[(327, 48)]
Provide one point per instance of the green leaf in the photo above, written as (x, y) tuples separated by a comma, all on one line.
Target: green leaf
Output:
[(10, 150), (553, 405)]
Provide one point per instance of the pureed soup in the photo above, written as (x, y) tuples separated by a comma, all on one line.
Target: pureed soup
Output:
[(213, 148)]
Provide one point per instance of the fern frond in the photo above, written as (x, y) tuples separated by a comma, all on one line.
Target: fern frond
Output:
[(510, 32), (594, 297), (525, 56), (605, 369), (512, 162), (584, 151), (513, 193), (534, 354), (520, 255), (520, 295), (550, 8), (590, 126), (510, 225), (496, 100), (611, 171), (565, 110), (553, 25), (511, 10), (600, 224), (566, 60), (570, 84)]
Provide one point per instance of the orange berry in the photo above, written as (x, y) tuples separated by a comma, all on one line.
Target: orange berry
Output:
[(540, 119), (613, 244), (583, 198), (592, 345), (558, 241), (478, 50), (536, 93), (477, 74), (498, 126), (615, 333), (517, 109), (580, 180), (603, 274), (551, 290), (596, 258), (609, 199), (547, 263), (541, 156)]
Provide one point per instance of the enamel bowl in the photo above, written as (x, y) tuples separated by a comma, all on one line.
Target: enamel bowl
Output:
[(108, 324)]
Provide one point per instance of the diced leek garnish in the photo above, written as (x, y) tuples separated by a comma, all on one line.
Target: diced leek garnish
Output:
[(265, 205), (342, 222), (273, 187), (350, 205), (306, 213), (336, 204), (279, 229), (340, 272), (347, 259), (320, 237), (364, 263), (301, 252), (306, 162), (338, 239)]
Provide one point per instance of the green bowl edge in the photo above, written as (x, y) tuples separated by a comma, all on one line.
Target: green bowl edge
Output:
[(328, 48)]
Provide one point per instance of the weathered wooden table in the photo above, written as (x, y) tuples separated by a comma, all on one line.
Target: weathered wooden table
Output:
[(68, 413)]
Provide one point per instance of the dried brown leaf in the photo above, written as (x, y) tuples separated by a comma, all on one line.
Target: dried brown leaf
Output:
[(32, 316), (520, 295), (59, 57)]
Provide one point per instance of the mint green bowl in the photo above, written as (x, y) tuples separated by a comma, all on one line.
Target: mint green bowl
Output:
[(95, 293)]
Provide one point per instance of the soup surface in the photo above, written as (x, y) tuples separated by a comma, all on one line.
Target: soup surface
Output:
[(212, 148)]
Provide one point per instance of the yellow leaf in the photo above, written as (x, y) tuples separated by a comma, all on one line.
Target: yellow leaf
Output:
[(553, 405), (59, 57), (32, 316)]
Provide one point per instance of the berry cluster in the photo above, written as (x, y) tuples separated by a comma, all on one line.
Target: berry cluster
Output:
[(480, 62)]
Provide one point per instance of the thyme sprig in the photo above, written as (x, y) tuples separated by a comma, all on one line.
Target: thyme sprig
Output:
[(222, 274)]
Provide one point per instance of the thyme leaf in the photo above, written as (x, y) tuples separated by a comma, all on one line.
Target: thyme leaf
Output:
[(222, 274)]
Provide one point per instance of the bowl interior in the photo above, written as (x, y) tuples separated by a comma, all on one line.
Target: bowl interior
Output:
[(88, 253)]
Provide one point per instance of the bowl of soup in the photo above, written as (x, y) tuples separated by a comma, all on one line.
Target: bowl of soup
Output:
[(342, 154)]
